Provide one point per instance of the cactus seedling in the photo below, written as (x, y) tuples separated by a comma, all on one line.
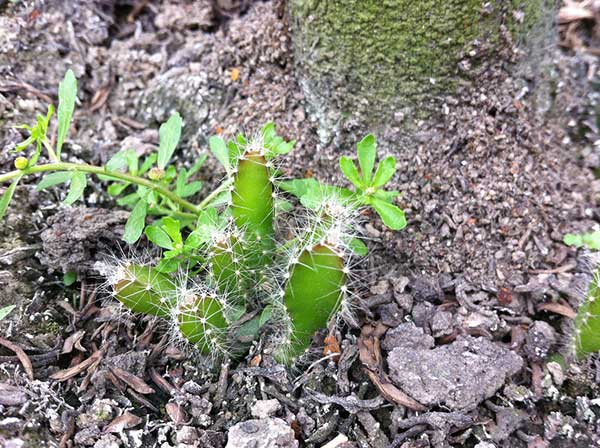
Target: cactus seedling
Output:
[(201, 321), (586, 337), (313, 293), (143, 289), (224, 272)]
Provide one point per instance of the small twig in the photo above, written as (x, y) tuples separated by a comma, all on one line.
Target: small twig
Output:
[(69, 431), (25, 361), (221, 385)]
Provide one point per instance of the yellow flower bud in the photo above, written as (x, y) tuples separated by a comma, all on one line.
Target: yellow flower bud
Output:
[(21, 163), (156, 173)]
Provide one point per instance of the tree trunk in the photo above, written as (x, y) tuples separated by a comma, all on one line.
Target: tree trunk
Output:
[(372, 62)]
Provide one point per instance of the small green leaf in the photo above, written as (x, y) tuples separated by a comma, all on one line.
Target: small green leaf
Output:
[(387, 196), (181, 181), (358, 247), (119, 160), (385, 171), (6, 311), (78, 184), (148, 162), (367, 149), (219, 149), (159, 237), (7, 196), (281, 205), (266, 314), (67, 93), (590, 240), (115, 189), (391, 215), (129, 201), (268, 132), (69, 278), (169, 134), (571, 239), (350, 171), (191, 189), (173, 228), (49, 180), (135, 223)]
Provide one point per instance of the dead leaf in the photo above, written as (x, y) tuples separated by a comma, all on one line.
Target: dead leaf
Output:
[(100, 97), (332, 347), (136, 383), (124, 421), (74, 341), (25, 361), (63, 375), (563, 310), (176, 413), (370, 356)]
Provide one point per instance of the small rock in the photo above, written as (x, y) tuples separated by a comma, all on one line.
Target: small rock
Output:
[(407, 336), (108, 441), (540, 340), (12, 395), (405, 301), (380, 288), (390, 314), (441, 323), (187, 434), (265, 408), (422, 313), (263, 433), (77, 235), (426, 288), (459, 375), (339, 440), (99, 414), (87, 436), (557, 373), (11, 424)]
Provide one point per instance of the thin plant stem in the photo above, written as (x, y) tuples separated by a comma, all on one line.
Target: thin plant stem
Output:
[(85, 168)]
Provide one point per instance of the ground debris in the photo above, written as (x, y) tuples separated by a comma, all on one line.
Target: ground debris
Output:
[(459, 375), (262, 433), (78, 236)]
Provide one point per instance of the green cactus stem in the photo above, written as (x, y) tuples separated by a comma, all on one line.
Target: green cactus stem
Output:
[(313, 293), (252, 197), (587, 322), (202, 322), (143, 289), (227, 265)]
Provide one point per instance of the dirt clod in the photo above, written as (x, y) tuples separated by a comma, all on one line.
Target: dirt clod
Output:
[(459, 375)]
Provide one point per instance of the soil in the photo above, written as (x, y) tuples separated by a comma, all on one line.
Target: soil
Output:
[(490, 186)]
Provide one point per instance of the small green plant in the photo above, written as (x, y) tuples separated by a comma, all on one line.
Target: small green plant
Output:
[(5, 311), (586, 333), (591, 240), (586, 327), (244, 258)]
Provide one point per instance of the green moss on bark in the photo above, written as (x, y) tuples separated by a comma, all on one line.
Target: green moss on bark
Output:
[(377, 57)]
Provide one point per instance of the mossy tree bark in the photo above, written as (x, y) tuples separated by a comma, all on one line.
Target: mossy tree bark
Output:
[(373, 60)]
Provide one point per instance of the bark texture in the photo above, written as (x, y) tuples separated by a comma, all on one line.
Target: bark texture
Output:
[(373, 60)]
